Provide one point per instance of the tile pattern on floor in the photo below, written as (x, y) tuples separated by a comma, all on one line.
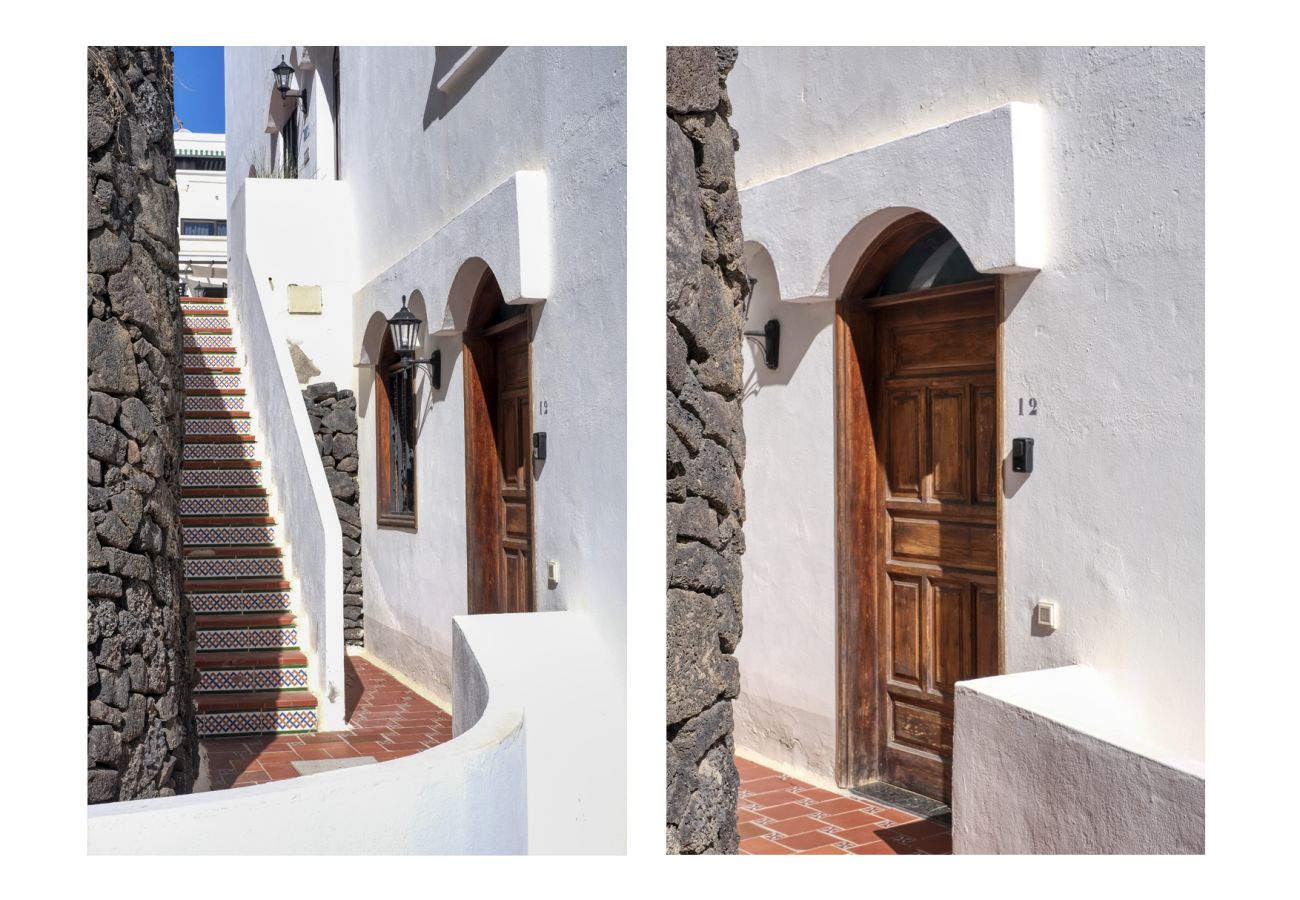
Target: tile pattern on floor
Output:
[(387, 720), (778, 814)]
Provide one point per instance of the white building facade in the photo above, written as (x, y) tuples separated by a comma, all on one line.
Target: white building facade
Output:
[(1073, 179), (484, 188), (201, 189)]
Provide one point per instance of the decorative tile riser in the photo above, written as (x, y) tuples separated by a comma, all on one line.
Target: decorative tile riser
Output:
[(285, 638), (207, 342), (203, 307), (213, 381), (218, 426), (234, 568), (260, 602), (209, 535), (205, 321), (221, 451), (213, 681), (210, 360), (279, 721), (221, 477), (214, 404), (224, 506)]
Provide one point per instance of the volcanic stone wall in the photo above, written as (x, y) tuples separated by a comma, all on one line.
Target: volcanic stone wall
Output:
[(334, 419), (707, 288), (140, 631)]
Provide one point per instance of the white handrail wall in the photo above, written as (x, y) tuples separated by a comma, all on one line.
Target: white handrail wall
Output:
[(309, 521)]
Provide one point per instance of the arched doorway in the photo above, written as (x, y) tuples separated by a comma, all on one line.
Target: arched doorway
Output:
[(918, 497), (498, 457)]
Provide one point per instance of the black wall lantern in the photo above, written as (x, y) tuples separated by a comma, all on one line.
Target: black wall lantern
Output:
[(283, 72), (405, 329), (771, 335)]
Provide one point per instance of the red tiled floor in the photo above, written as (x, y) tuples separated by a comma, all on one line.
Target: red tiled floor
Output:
[(388, 720), (780, 814)]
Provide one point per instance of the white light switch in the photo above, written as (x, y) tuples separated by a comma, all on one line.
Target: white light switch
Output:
[(553, 572), (1046, 615)]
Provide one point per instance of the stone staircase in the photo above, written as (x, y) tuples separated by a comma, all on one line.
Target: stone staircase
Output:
[(252, 676)]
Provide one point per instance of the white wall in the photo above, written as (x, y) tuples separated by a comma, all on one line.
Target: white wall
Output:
[(1108, 337), (419, 164), (1040, 765)]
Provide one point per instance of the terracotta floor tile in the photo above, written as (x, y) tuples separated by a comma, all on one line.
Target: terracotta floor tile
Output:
[(750, 829), (797, 825), (784, 811), (761, 846), (808, 840), (865, 828)]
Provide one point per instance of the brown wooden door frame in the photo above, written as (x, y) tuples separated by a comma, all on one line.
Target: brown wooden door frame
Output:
[(483, 496), (858, 567)]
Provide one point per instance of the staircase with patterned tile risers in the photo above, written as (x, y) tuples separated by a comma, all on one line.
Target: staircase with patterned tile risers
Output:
[(252, 676)]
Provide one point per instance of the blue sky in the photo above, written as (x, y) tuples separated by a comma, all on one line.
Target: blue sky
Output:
[(200, 75)]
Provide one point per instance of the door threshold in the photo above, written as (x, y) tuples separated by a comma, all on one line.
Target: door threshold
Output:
[(901, 798)]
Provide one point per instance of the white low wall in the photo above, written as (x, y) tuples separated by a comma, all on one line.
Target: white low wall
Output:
[(553, 666), (305, 507), (466, 796), (1056, 761)]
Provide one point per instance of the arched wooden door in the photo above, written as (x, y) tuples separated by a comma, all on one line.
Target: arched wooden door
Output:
[(918, 491), (498, 457)]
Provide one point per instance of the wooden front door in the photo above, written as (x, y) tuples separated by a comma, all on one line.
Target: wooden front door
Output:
[(514, 433), (937, 551), (498, 458)]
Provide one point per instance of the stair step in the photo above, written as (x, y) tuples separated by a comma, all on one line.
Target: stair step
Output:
[(212, 403), (223, 506), (194, 535), (231, 551), (217, 414), (224, 424), (188, 370), (208, 343), (188, 521), (221, 438), (222, 463), (201, 307), (237, 603), (201, 325), (236, 585), (213, 381), (206, 454), (226, 715), (233, 567), (219, 318), (251, 671), (224, 478), (282, 637), (222, 492)]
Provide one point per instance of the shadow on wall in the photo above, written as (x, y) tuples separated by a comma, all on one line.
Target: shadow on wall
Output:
[(800, 323), (440, 103)]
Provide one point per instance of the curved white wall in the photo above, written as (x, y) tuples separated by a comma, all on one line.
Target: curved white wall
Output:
[(466, 796), (1109, 338)]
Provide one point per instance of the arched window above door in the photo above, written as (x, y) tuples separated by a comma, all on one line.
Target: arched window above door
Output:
[(934, 260)]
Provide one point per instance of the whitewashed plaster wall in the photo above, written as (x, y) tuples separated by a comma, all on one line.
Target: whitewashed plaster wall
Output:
[(1108, 337), (414, 159)]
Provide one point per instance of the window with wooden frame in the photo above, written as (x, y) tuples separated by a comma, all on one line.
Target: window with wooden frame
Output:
[(394, 439)]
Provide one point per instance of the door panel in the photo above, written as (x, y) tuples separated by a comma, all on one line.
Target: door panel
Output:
[(937, 560), (514, 408)]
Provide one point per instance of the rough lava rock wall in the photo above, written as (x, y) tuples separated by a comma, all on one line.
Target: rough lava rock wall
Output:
[(707, 288), (334, 418), (140, 631)]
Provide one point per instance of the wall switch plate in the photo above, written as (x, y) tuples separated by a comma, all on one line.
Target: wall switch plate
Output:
[(1046, 615), (553, 573)]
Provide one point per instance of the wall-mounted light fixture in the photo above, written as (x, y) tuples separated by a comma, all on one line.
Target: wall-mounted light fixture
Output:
[(771, 335), (405, 329), (283, 74)]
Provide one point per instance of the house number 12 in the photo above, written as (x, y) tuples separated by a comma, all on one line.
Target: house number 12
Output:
[(1033, 406)]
